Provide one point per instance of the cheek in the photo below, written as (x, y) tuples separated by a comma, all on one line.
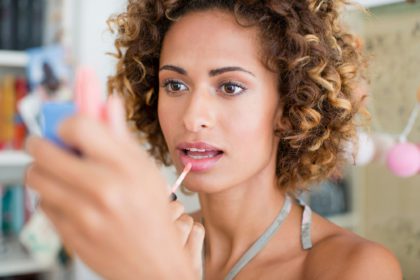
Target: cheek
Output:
[(253, 131)]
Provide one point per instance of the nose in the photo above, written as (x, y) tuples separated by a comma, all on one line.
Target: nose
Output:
[(200, 111)]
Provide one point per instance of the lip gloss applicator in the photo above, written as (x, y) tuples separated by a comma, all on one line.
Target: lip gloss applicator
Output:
[(178, 182)]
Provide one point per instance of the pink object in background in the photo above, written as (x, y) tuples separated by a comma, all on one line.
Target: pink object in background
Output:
[(418, 146), (404, 159), (383, 144)]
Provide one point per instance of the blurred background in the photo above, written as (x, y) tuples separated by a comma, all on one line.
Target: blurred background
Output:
[(43, 41)]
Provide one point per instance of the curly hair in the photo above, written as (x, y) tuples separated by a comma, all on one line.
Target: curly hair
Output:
[(316, 60)]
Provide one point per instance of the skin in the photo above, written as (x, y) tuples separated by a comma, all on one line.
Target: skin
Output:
[(239, 197)]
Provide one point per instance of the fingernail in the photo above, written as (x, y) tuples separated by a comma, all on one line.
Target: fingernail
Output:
[(199, 230), (88, 93)]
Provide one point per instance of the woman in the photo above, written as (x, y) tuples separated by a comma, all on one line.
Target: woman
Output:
[(259, 97)]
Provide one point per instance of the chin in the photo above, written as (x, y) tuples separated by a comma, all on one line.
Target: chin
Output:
[(204, 185)]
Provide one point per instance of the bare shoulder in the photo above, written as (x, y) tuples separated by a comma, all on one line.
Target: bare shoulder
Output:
[(341, 254)]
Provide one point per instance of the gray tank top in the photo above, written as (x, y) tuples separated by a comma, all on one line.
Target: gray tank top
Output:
[(268, 234)]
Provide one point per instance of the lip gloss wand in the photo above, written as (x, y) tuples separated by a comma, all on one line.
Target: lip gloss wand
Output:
[(178, 182)]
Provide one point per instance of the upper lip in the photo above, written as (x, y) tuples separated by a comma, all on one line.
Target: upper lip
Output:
[(197, 145)]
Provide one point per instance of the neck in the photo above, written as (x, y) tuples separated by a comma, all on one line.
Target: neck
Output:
[(235, 218)]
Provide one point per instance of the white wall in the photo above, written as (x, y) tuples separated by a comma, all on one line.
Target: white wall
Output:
[(371, 3), (90, 35)]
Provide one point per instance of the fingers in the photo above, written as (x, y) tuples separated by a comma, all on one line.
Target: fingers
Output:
[(69, 235), (183, 222), (184, 225), (196, 238), (195, 245), (192, 234), (89, 102), (81, 131), (61, 201), (52, 191), (176, 210), (54, 216), (93, 138), (55, 162), (56, 172)]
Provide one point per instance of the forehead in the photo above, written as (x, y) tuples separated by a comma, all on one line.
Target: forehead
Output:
[(211, 35)]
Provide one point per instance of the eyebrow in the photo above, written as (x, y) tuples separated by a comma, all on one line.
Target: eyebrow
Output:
[(212, 73), (174, 68), (222, 70)]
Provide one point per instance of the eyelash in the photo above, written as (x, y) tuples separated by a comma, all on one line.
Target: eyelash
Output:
[(169, 82), (233, 83)]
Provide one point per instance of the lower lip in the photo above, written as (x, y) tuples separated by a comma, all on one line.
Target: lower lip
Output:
[(199, 164)]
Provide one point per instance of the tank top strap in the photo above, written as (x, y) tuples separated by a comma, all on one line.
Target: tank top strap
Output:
[(268, 234), (306, 225), (261, 241)]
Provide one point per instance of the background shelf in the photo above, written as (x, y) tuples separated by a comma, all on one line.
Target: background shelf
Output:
[(13, 58), (14, 158), (12, 166), (15, 260)]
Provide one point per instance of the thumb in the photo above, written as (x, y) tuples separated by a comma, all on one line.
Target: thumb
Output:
[(195, 247)]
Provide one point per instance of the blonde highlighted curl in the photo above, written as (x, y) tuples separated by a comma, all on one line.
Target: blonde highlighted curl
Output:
[(317, 61)]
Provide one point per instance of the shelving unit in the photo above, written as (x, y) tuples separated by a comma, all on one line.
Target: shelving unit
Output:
[(13, 58), (12, 166), (14, 259), (14, 158), (12, 163)]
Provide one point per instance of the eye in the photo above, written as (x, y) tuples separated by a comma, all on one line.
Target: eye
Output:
[(232, 88), (174, 87)]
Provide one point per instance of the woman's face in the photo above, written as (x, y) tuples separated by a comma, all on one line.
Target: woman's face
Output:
[(217, 101)]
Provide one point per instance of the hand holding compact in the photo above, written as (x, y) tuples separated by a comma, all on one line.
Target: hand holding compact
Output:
[(108, 201)]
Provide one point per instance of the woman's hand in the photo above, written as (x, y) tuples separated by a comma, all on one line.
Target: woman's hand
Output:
[(191, 235), (110, 205)]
